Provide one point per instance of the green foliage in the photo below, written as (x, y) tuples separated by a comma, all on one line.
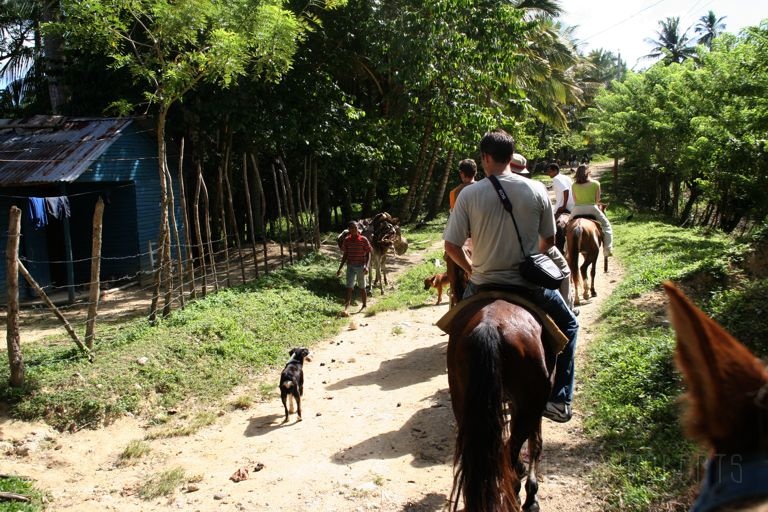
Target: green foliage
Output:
[(693, 135), (741, 310), (170, 46), (23, 487)]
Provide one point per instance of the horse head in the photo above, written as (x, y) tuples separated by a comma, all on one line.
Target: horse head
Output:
[(728, 407)]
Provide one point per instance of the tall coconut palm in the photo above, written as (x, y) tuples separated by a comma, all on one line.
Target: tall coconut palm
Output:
[(546, 72), (30, 62), (17, 38), (709, 26), (671, 44)]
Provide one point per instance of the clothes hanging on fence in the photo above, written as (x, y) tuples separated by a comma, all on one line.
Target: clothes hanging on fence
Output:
[(57, 207), (36, 212)]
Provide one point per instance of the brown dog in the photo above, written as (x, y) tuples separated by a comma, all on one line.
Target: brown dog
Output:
[(437, 281)]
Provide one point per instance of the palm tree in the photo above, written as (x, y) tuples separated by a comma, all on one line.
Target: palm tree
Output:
[(671, 45), (17, 38), (31, 64), (709, 26), (546, 72)]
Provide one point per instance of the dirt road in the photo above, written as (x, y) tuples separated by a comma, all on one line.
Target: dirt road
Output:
[(377, 435)]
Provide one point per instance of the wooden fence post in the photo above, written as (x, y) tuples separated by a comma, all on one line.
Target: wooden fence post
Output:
[(15, 358), (95, 285)]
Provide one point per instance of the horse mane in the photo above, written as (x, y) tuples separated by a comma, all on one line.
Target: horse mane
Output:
[(727, 385)]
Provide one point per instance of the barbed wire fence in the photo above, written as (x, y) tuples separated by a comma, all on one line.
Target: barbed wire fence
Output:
[(197, 269)]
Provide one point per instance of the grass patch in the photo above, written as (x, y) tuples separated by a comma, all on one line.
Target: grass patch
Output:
[(742, 310), (163, 484), (199, 421), (201, 353), (242, 402), (409, 291), (23, 487), (630, 382), (135, 450)]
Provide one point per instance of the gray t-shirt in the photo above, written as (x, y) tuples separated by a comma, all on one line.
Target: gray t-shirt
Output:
[(496, 252)]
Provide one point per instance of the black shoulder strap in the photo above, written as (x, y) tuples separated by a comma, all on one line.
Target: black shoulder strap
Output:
[(507, 206)]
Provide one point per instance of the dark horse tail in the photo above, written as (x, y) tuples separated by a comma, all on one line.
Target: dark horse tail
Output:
[(483, 469)]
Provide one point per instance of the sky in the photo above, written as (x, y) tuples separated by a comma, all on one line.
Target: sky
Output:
[(622, 26)]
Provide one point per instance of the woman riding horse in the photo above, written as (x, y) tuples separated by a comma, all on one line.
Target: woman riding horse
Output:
[(586, 197)]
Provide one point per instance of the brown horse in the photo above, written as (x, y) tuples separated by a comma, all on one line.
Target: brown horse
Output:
[(583, 236), (499, 375), (728, 409)]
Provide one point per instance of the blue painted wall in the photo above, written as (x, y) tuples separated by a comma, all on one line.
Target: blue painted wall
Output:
[(127, 177)]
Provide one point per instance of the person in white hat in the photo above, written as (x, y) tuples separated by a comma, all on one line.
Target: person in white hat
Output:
[(518, 165)]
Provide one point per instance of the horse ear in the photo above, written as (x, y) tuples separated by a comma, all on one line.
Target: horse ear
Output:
[(723, 377)]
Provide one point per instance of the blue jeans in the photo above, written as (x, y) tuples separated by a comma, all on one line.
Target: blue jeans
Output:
[(565, 371)]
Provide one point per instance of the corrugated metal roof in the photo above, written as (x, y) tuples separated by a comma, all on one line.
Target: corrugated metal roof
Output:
[(52, 149)]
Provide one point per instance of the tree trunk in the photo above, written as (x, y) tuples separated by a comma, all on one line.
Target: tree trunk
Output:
[(251, 225), (222, 215), (209, 234), (179, 254), (305, 202), (231, 207), (200, 245), (262, 211), (405, 211), (437, 203), (54, 61), (163, 230), (187, 229), (276, 179), (315, 204), (370, 193), (93, 301), (416, 210), (292, 216), (15, 359)]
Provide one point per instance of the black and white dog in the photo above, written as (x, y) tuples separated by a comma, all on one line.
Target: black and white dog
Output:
[(292, 380)]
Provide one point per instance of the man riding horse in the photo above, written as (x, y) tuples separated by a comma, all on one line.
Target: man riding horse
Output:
[(561, 184), (497, 252)]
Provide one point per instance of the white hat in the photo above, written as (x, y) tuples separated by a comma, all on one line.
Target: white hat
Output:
[(518, 163)]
